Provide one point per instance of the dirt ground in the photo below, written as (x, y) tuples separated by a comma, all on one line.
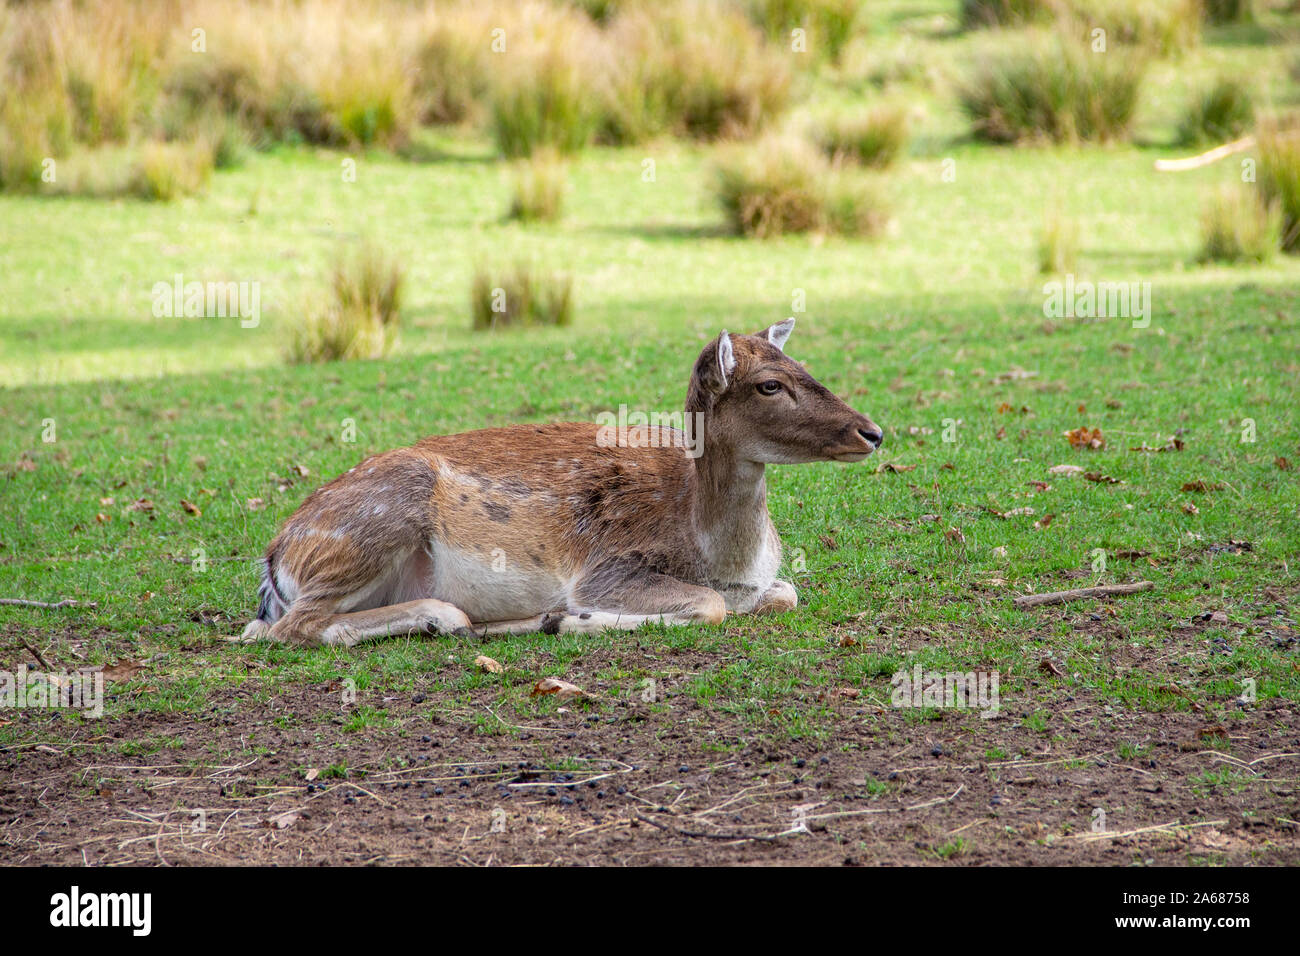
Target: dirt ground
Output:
[(640, 789)]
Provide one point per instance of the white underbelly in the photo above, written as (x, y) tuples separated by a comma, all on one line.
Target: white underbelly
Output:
[(493, 587)]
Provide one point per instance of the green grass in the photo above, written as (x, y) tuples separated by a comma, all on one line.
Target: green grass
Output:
[(917, 328)]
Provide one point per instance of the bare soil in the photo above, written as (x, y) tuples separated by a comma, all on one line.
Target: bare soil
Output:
[(640, 786)]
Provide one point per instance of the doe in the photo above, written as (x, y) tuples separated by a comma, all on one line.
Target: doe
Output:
[(544, 528)]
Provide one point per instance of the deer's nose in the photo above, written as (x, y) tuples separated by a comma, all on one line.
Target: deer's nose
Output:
[(873, 435)]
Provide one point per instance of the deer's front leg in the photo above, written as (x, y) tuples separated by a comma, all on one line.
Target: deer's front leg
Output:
[(781, 596)]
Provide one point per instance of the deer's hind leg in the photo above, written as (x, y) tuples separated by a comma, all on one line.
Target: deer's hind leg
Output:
[(305, 624), (623, 603)]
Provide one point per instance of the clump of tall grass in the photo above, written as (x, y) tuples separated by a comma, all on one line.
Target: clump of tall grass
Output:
[(873, 137), (453, 63), (827, 24), (523, 296), (1165, 26), (1229, 11), (1000, 13), (151, 170), (1236, 226), (784, 185), (692, 68), (358, 317), (1220, 112), (1057, 90), (545, 94), (166, 171), (1279, 175), (539, 184), (1058, 244)]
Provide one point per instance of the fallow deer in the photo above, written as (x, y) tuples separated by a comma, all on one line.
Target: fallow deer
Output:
[(544, 528)]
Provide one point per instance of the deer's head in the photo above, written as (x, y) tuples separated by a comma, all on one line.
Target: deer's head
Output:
[(768, 409)]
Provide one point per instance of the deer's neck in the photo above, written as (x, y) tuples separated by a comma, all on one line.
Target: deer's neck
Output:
[(730, 511)]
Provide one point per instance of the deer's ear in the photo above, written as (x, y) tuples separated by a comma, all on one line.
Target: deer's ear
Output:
[(779, 333), (726, 359), (715, 366)]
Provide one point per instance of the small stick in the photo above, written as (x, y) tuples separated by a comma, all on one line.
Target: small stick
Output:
[(1078, 594), (36, 654), (66, 602), (696, 833), (1213, 156)]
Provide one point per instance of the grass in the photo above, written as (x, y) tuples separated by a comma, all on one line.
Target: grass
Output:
[(359, 316), (1279, 175), (523, 296), (874, 137), (539, 185), (1058, 244), (695, 69), (1236, 226), (1162, 26), (1220, 112), (783, 185), (1055, 89)]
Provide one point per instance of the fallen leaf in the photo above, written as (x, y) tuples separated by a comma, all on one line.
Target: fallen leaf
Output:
[(848, 640), (255, 504), (311, 774), (105, 502), (284, 820), (1213, 839), (1219, 617), (1039, 485), (1282, 463), (1000, 551), (1191, 509), (1065, 470), (1085, 438), (1174, 444), (488, 665), (191, 508), (1049, 666), (1200, 484), (123, 670), (928, 517), (1001, 433), (828, 542), (1044, 521), (955, 535), (562, 688), (1216, 730), (301, 470), (140, 504), (894, 467), (1102, 479), (103, 518)]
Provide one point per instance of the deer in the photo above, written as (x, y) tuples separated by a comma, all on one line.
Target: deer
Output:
[(544, 528)]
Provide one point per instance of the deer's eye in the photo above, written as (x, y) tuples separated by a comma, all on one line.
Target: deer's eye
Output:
[(769, 388)]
